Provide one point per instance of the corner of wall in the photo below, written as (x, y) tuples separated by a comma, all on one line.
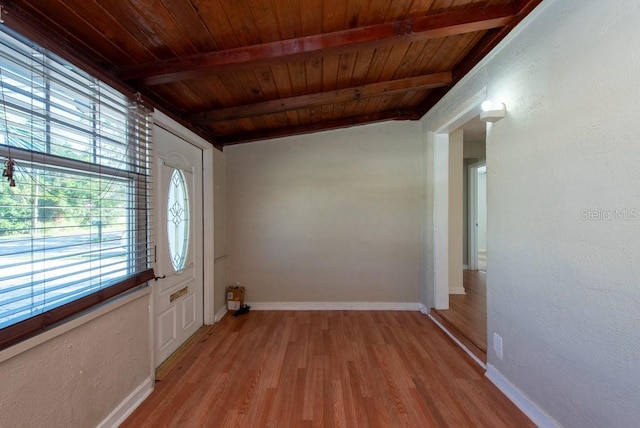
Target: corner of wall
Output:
[(128, 405), (524, 403)]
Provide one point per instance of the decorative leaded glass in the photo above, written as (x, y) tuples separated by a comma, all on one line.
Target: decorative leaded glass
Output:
[(178, 220)]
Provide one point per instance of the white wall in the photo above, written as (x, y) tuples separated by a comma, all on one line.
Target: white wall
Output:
[(327, 217), (563, 289), (482, 211), (77, 378), (456, 214), (474, 151)]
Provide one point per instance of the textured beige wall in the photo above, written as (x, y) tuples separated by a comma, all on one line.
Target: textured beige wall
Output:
[(327, 217), (78, 378), (564, 208)]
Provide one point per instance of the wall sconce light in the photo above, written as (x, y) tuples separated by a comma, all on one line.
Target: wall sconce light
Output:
[(492, 112)]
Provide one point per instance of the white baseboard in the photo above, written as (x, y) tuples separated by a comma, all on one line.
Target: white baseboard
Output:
[(457, 290), (423, 309), (335, 306), (220, 314), (528, 407), (465, 267), (128, 405), (460, 344)]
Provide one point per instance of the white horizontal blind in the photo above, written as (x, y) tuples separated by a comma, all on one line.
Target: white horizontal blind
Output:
[(77, 220)]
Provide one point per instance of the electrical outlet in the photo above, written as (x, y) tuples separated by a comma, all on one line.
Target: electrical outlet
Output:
[(497, 344)]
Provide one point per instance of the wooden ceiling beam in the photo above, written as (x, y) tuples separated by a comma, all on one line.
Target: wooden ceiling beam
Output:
[(482, 49), (420, 28), (318, 126), (318, 99), (492, 38)]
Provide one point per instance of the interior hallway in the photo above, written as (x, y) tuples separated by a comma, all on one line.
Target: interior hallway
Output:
[(326, 368)]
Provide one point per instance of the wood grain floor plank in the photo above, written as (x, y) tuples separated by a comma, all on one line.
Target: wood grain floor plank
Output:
[(467, 313), (326, 369)]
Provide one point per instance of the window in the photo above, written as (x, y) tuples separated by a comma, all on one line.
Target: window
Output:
[(178, 220), (74, 230)]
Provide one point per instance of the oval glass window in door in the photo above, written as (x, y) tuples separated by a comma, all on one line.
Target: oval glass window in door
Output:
[(178, 220)]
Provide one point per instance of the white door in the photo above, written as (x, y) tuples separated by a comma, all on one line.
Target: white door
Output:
[(178, 291)]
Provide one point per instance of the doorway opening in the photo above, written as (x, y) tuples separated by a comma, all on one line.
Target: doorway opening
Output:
[(460, 283)]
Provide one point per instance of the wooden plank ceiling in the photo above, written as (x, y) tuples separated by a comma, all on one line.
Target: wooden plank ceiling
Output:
[(246, 70)]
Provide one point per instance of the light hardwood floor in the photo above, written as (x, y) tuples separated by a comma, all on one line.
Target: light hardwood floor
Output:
[(326, 369), (466, 317)]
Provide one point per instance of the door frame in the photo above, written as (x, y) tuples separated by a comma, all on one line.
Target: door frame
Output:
[(468, 109), (472, 171), (163, 121)]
